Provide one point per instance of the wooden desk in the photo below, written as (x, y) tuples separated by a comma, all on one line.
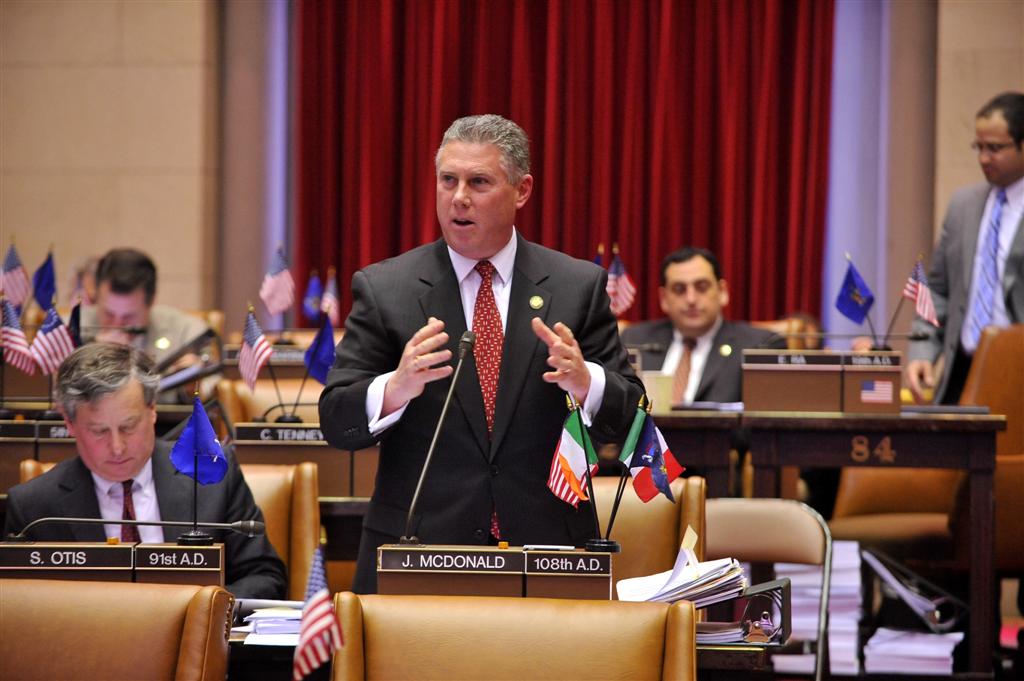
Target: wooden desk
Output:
[(832, 440), (702, 439)]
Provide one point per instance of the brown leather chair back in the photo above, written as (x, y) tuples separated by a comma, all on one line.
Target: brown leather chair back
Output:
[(650, 534), (259, 402), (798, 330), (52, 629), (287, 495), (465, 637)]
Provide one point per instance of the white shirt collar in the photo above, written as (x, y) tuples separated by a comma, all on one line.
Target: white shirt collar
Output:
[(1014, 194), (504, 261), (142, 479)]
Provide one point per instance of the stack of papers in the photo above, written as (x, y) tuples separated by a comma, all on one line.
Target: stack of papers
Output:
[(891, 651), (844, 611), (702, 583), (278, 626)]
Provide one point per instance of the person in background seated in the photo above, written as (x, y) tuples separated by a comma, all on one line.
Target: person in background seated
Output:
[(694, 344), (125, 312), (106, 393)]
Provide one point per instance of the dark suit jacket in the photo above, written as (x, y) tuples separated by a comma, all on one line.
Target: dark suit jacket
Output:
[(470, 474), (722, 380), (253, 568), (950, 281)]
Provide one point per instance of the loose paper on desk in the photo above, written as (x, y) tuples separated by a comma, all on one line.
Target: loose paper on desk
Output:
[(703, 583)]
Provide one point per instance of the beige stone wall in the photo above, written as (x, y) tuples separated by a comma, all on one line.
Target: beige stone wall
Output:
[(107, 112), (980, 54)]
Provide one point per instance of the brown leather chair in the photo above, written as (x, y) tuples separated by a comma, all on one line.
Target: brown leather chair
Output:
[(287, 495), (774, 531), (466, 637), (650, 534), (255, 404), (52, 629), (800, 331)]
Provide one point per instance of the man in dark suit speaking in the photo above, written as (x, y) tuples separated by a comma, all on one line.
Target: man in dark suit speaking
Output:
[(543, 328), (107, 393), (694, 344)]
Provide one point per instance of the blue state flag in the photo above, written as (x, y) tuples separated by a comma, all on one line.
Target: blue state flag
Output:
[(320, 355), (44, 283), (855, 298), (197, 453), (311, 300)]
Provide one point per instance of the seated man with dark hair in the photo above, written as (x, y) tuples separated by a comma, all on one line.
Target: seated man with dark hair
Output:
[(106, 393), (695, 344)]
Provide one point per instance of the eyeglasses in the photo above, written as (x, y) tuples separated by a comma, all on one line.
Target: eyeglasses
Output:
[(991, 147)]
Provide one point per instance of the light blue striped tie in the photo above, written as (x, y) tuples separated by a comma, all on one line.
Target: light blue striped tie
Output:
[(987, 283)]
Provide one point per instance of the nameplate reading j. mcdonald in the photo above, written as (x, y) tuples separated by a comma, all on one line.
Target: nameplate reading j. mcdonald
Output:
[(38, 556), (173, 557), (435, 559), (269, 433), (568, 563)]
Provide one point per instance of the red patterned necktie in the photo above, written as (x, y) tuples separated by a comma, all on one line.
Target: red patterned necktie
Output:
[(489, 339), (129, 533)]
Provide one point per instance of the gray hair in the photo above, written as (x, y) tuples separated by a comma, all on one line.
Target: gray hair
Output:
[(492, 129), (99, 369)]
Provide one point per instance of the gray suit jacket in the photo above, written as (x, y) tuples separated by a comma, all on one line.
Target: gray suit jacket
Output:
[(471, 474), (722, 379), (253, 568), (950, 280)]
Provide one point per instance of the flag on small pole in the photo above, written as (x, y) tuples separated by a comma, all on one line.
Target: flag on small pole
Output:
[(567, 477), (319, 358), (14, 279), (319, 631), (855, 298), (311, 299), (621, 289), (329, 304), (916, 289), (16, 348), (278, 289), (599, 258), (255, 352), (649, 459), (52, 343), (197, 453), (44, 283)]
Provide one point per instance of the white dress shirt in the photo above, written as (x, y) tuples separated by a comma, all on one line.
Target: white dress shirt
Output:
[(698, 358), (110, 495), (469, 284)]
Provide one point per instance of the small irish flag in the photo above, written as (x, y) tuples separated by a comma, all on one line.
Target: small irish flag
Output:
[(569, 464)]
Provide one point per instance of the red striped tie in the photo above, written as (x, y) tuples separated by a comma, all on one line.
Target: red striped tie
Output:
[(129, 533)]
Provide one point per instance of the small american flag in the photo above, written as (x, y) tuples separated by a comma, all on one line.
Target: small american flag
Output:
[(16, 348), (621, 288), (255, 352), (14, 278), (329, 304), (52, 343), (876, 392), (916, 289), (319, 632), (278, 289)]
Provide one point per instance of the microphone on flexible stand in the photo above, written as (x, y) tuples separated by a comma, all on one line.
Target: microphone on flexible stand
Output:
[(465, 347), (250, 528)]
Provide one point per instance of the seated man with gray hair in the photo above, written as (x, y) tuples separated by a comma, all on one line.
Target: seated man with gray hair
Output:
[(107, 393)]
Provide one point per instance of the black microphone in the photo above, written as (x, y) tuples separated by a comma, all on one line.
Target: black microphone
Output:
[(249, 528), (465, 347)]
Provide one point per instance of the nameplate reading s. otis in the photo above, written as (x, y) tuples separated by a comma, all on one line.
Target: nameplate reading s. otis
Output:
[(65, 556)]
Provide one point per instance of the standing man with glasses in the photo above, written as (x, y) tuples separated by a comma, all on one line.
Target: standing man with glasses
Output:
[(977, 268)]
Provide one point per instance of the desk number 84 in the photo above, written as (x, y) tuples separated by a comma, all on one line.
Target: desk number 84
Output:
[(861, 451)]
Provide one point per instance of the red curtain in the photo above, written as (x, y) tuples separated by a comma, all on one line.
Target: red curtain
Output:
[(653, 123)]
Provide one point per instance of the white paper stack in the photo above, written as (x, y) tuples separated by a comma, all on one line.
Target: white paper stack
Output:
[(892, 651), (704, 583), (844, 611), (272, 626)]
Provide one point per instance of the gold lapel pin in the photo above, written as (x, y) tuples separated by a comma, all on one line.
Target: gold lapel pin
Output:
[(536, 302), (725, 350)]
